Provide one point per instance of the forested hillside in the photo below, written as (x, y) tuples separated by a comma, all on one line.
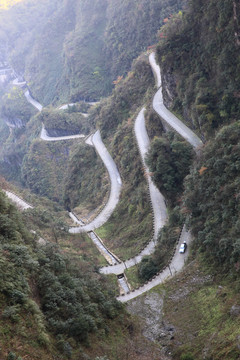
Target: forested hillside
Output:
[(43, 295), (212, 198), (77, 50)]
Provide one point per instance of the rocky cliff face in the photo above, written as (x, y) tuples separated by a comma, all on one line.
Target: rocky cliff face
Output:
[(170, 94), (60, 132), (169, 88), (14, 122)]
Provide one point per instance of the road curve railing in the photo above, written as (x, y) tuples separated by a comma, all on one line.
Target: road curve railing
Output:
[(175, 265)]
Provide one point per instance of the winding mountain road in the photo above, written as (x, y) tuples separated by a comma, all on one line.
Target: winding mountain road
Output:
[(67, 106), (175, 266), (32, 101), (165, 114), (178, 261), (18, 83), (115, 179), (44, 135), (157, 200), (116, 185)]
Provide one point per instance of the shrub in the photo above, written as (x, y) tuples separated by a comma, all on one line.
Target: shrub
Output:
[(187, 356), (147, 269), (12, 313)]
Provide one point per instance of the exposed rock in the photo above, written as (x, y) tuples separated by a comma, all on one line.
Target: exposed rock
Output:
[(61, 132), (14, 123), (235, 310), (183, 291), (169, 88), (150, 309)]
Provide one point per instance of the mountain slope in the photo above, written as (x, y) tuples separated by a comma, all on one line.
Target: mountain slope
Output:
[(77, 50), (199, 55)]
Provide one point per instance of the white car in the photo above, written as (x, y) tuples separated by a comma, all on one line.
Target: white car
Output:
[(183, 248)]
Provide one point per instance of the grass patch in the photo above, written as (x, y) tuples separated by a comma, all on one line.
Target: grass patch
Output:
[(81, 247), (132, 276)]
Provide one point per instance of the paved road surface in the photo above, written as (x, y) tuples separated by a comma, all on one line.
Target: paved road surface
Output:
[(66, 106), (33, 101), (166, 115), (175, 267), (116, 185), (157, 200), (21, 204), (155, 69), (17, 83)]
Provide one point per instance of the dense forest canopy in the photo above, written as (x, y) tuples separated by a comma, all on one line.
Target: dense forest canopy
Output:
[(212, 198)]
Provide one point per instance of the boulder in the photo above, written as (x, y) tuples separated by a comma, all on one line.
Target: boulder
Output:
[(235, 310)]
